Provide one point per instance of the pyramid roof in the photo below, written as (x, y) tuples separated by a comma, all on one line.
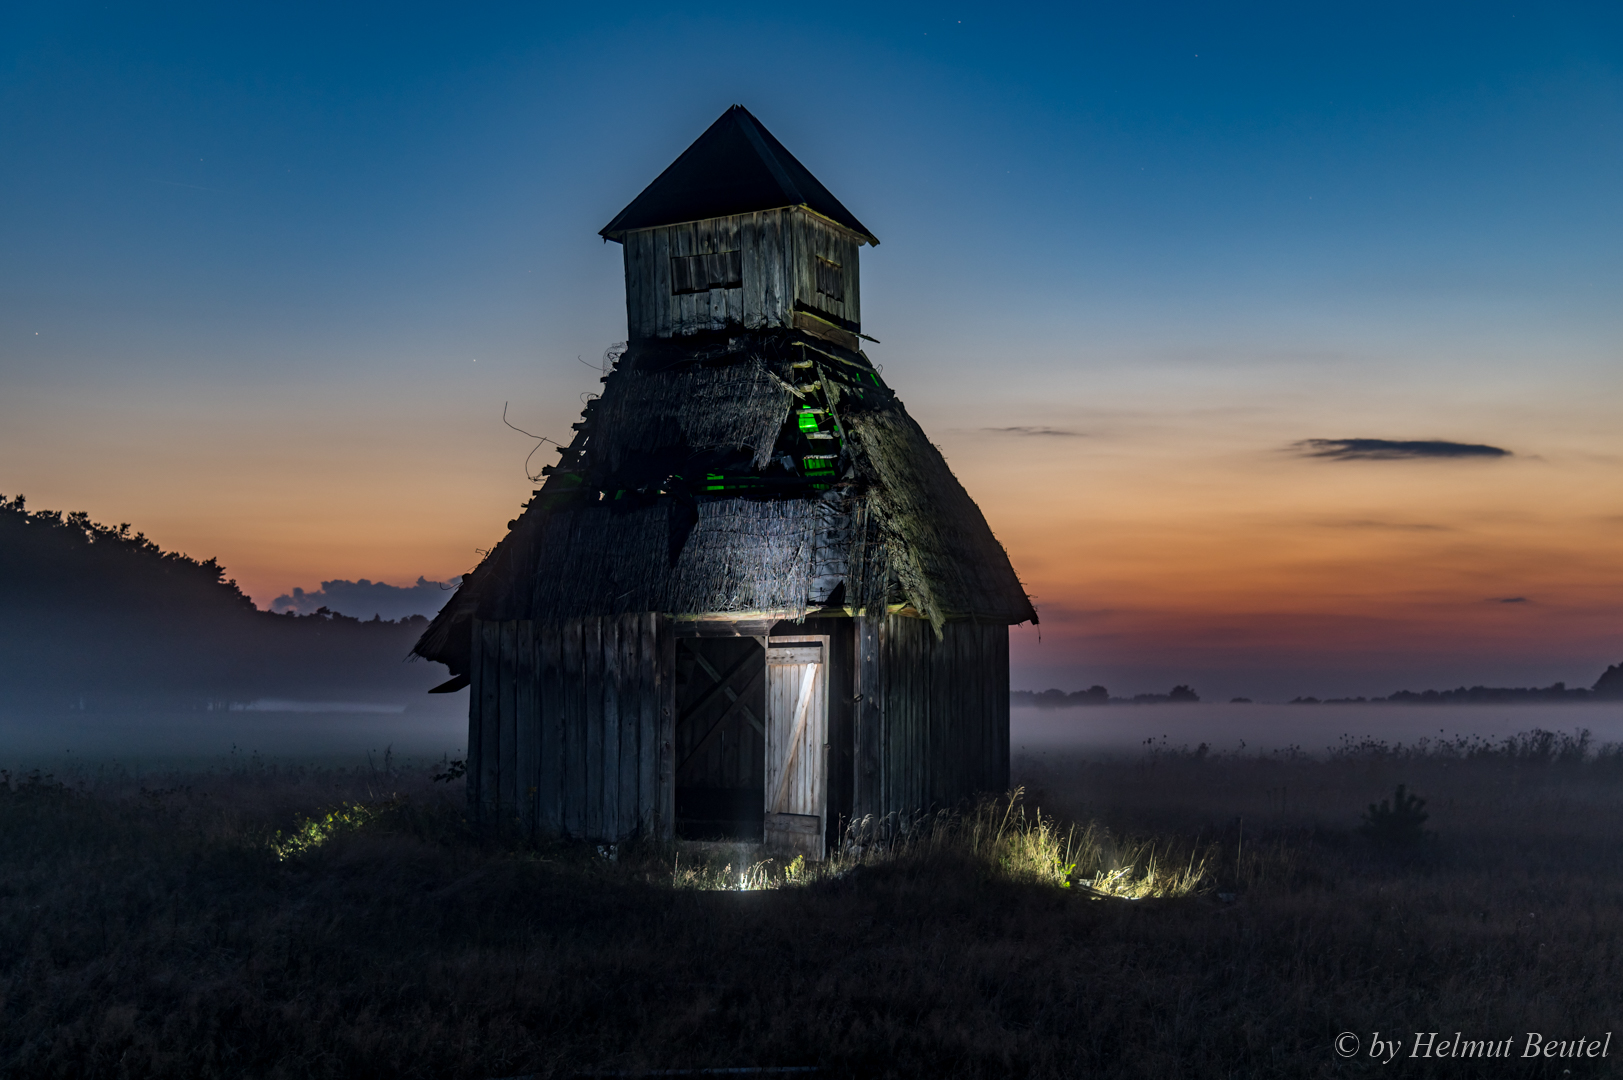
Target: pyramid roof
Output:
[(735, 167)]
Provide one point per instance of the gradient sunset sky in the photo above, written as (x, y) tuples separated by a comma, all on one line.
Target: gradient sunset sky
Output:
[(268, 274)]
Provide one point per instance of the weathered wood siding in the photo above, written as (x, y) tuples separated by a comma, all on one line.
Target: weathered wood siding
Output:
[(570, 726), (797, 728), (932, 716), (779, 249)]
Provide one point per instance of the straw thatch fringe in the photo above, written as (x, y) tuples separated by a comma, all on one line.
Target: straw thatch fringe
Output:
[(739, 405), (741, 555), (625, 523), (943, 553)]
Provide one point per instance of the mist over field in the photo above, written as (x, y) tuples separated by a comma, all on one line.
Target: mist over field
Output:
[(1311, 729), (115, 650)]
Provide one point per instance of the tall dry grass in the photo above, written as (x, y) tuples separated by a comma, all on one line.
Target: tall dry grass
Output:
[(271, 921), (997, 836)]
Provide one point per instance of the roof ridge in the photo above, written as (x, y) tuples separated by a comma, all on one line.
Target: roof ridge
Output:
[(743, 118)]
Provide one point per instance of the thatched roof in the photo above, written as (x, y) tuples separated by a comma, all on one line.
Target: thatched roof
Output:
[(696, 487)]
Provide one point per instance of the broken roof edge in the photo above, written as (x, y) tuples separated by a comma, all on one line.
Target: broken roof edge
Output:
[(861, 236)]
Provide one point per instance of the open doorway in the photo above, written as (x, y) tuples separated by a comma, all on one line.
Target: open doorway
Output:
[(796, 818), (720, 749)]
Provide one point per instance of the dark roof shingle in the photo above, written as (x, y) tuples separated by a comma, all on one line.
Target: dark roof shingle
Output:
[(735, 167)]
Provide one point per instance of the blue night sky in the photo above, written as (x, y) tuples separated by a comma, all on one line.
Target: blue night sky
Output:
[(268, 275)]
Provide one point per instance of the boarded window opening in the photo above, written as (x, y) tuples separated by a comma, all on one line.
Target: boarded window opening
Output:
[(830, 279), (701, 273)]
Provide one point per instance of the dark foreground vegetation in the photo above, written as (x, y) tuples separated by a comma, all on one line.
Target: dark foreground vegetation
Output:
[(267, 921)]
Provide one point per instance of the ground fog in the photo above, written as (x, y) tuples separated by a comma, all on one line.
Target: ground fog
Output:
[(269, 919)]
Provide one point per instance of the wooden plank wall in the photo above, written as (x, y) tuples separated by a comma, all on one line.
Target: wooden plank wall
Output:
[(570, 728), (814, 239), (778, 249), (932, 724)]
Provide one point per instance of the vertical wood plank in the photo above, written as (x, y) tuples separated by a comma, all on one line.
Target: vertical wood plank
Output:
[(989, 753), (551, 783), (610, 692), (528, 694), (918, 716), (476, 699), (681, 306), (749, 246), (648, 661), (666, 630), (490, 748), (869, 770), (948, 709), (662, 281), (793, 234), (592, 685), (894, 674), (507, 704), (1001, 646), (772, 269), (634, 298), (732, 299), (896, 698), (631, 667), (574, 694), (648, 299), (853, 283), (996, 729), (703, 234)]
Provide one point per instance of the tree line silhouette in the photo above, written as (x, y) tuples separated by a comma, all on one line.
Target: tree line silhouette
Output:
[(97, 616)]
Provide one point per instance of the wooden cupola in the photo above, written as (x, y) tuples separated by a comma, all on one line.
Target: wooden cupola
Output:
[(738, 233)]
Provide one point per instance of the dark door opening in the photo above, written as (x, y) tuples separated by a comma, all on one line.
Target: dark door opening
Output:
[(720, 738)]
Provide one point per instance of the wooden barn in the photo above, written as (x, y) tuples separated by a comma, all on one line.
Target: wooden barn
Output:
[(750, 601)]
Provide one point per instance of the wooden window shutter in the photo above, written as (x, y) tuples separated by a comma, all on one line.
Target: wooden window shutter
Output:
[(830, 279), (701, 273)]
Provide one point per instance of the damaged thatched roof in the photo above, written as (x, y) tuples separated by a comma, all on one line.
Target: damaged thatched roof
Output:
[(762, 474)]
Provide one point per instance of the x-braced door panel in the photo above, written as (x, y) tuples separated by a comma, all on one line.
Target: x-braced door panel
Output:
[(796, 746), (720, 738)]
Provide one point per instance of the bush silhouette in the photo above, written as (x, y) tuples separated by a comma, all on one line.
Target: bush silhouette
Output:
[(1397, 821)]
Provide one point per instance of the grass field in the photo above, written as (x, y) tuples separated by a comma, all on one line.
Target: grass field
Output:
[(272, 921)]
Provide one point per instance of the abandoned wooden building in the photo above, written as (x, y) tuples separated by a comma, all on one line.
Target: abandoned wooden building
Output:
[(750, 601)]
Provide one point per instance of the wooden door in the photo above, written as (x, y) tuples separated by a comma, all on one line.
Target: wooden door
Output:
[(796, 746)]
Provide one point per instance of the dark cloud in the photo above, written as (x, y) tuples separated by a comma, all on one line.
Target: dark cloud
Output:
[(364, 599), (1033, 431), (1393, 449), (1508, 600)]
